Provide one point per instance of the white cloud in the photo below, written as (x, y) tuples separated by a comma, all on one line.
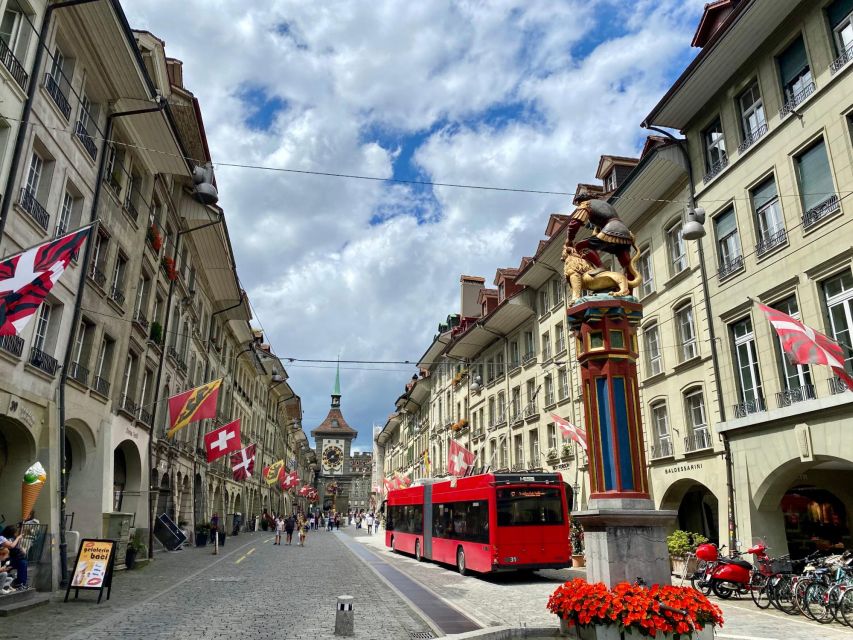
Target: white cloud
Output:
[(322, 278)]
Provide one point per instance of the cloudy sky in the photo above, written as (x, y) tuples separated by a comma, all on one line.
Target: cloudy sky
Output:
[(525, 94)]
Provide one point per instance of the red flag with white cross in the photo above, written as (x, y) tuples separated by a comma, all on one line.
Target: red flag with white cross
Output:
[(243, 463), (458, 459), (222, 441), (578, 434)]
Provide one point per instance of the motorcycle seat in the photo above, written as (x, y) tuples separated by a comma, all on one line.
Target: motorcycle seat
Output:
[(741, 563)]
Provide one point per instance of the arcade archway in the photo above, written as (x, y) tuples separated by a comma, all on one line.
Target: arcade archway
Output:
[(697, 506)]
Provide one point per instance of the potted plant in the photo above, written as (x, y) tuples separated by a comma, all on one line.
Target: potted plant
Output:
[(202, 533), (682, 549), (576, 538), (156, 332), (154, 238), (566, 450), (630, 611), (135, 549), (552, 454)]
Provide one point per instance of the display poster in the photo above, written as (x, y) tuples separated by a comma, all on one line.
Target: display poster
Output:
[(93, 568)]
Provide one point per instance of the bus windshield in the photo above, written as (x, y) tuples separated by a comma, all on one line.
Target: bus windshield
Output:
[(529, 506)]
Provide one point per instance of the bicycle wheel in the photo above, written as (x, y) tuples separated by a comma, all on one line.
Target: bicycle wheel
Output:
[(845, 608), (817, 602), (758, 591), (783, 597), (699, 580), (800, 595)]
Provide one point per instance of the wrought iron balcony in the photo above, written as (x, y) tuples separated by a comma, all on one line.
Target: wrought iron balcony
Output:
[(749, 406), (128, 405), (698, 440), (43, 361), (55, 92), (13, 65), (519, 466), (86, 140), (843, 58), (140, 320), (130, 208), (173, 353), (79, 373), (530, 410), (729, 267), (97, 276), (837, 385), (515, 416), (662, 448), (820, 211), (529, 357), (714, 169), (12, 344), (33, 207), (117, 296), (796, 99), (99, 385), (514, 365), (771, 241), (799, 394), (750, 138)]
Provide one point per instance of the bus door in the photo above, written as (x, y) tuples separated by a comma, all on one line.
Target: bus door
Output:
[(427, 551)]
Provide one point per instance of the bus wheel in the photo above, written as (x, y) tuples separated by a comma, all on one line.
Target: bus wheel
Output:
[(418, 555), (460, 562)]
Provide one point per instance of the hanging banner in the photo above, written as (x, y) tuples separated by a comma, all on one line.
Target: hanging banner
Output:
[(93, 568)]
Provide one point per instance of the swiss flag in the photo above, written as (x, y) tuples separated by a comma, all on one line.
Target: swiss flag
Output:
[(243, 463), (578, 434), (459, 459), (222, 441)]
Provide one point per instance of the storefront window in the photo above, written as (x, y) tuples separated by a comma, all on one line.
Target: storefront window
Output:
[(815, 520)]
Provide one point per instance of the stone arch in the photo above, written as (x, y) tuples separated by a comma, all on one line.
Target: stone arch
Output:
[(698, 508), (163, 496), (17, 452), (198, 499), (83, 471), (185, 510), (127, 481)]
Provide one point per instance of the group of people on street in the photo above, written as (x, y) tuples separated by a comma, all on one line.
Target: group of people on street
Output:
[(367, 520), (289, 524), (13, 556)]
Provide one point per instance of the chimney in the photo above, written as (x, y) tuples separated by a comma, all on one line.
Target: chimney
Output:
[(471, 286)]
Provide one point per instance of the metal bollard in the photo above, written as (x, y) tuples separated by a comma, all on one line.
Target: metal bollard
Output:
[(344, 617)]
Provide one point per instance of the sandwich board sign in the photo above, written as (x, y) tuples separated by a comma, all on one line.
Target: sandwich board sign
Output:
[(93, 568)]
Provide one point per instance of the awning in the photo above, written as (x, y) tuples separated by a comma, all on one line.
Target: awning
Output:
[(510, 314), (657, 175), (546, 265), (434, 350)]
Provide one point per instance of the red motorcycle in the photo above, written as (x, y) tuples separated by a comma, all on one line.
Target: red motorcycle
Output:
[(727, 576)]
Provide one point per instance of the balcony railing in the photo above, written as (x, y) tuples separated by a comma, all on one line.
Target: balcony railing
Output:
[(86, 140), (749, 406), (771, 241), (514, 365), (79, 373), (43, 361), (32, 206), (662, 449), (519, 466), (99, 385), (97, 276), (820, 211), (729, 267), (530, 410), (715, 169), (13, 65), (837, 385), (117, 295), (796, 99), (698, 440), (55, 92), (841, 60), (750, 138), (12, 344), (529, 357), (140, 319), (515, 416), (791, 396), (129, 406)]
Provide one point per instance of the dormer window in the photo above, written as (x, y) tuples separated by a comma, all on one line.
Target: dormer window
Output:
[(501, 292), (610, 181)]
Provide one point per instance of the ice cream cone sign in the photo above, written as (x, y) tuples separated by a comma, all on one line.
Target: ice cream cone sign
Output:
[(34, 479)]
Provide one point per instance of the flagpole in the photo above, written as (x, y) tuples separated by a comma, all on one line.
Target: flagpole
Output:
[(63, 378)]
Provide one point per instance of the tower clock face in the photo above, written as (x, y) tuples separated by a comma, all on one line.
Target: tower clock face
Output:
[(333, 457)]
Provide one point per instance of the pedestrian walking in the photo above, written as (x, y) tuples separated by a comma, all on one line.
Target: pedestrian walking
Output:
[(369, 523), (279, 527), (289, 524), (301, 525)]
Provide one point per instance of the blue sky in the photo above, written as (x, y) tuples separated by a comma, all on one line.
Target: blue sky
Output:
[(524, 94)]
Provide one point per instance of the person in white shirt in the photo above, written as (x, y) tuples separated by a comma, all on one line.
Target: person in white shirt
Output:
[(369, 523), (279, 527)]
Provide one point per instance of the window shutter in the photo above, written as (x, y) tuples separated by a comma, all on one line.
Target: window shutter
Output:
[(793, 60), (838, 11), (815, 178), (763, 193), (725, 223)]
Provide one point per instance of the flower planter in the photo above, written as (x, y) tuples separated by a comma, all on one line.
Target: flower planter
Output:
[(578, 561), (683, 566), (201, 539), (611, 632)]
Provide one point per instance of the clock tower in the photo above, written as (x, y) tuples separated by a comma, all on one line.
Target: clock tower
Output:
[(333, 442)]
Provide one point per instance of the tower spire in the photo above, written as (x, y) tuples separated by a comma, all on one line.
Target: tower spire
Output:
[(336, 392)]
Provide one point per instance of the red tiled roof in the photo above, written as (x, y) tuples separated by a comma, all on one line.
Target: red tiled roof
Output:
[(334, 425)]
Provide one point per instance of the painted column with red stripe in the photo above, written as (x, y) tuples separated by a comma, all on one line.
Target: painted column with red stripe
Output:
[(605, 331)]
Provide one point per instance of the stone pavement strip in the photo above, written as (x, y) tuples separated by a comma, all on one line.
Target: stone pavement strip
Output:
[(253, 589), (519, 599)]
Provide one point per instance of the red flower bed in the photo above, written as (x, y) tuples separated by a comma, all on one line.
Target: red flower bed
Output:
[(648, 610)]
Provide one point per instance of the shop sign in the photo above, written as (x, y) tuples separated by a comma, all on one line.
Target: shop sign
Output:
[(93, 568), (18, 409), (681, 468), (562, 465)]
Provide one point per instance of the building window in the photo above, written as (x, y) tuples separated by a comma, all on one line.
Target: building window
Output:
[(716, 158), (838, 294), (815, 180), (550, 397), (529, 347), (564, 382), (662, 446), (698, 434), (499, 364), (546, 345), (552, 436), (796, 75), (492, 416), (557, 290), (560, 343), (677, 249), (840, 14), (768, 217), (749, 376), (501, 407), (689, 347), (752, 119), (490, 370), (797, 378), (42, 325), (514, 355), (728, 243), (544, 306), (646, 272), (654, 360), (117, 293)]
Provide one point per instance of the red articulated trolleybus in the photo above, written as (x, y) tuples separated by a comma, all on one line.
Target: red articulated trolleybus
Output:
[(485, 523)]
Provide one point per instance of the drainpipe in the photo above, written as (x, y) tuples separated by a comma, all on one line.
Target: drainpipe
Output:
[(28, 107), (709, 319), (157, 399), (75, 321)]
